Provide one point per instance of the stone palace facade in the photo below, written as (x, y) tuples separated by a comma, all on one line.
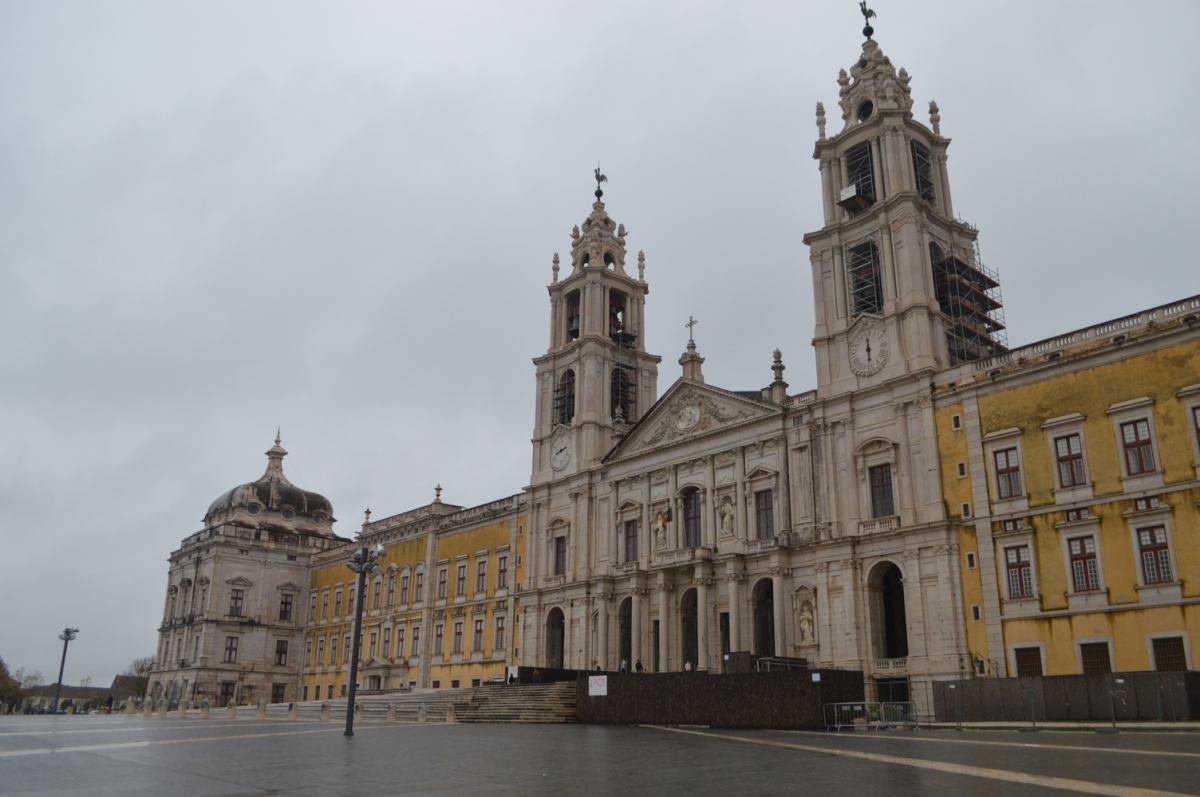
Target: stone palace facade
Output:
[(939, 506)]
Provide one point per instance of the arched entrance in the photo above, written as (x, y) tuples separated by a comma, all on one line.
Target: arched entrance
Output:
[(688, 639), (625, 633), (554, 639), (889, 624), (763, 601)]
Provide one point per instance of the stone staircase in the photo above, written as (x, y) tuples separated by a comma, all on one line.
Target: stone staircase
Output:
[(493, 703)]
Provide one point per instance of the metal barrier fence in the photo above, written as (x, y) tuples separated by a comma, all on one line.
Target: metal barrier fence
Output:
[(869, 715)]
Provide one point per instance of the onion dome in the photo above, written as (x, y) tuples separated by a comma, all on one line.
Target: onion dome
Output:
[(275, 496)]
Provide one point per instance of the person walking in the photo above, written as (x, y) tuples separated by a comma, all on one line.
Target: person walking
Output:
[(624, 667), (638, 667)]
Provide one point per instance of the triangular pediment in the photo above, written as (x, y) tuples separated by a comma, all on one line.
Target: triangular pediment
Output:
[(288, 586), (760, 473), (688, 410), (628, 504), (240, 581)]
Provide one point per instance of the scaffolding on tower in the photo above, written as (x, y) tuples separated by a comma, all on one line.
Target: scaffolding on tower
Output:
[(969, 295)]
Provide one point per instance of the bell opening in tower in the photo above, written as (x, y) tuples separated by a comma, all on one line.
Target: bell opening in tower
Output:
[(864, 279), (621, 334), (923, 167), (859, 193), (573, 315), (564, 398), (624, 393)]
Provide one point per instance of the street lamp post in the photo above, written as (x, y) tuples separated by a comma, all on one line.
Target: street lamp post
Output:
[(66, 636), (363, 562)]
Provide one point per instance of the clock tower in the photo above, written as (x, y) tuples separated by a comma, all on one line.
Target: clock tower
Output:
[(897, 282), (596, 379)]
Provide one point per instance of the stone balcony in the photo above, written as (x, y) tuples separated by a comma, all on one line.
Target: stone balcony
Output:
[(682, 556), (550, 582), (890, 668), (879, 525), (625, 568), (766, 544)]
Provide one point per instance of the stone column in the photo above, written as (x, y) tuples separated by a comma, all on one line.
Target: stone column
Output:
[(664, 635), (904, 475), (709, 526), (602, 631), (778, 594), (739, 478), (646, 533), (735, 611), (702, 613), (635, 631), (673, 541)]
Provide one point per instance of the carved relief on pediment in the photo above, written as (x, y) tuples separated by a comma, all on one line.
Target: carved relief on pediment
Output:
[(689, 413)]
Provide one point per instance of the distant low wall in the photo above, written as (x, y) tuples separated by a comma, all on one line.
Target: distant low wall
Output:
[(781, 699), (1168, 696)]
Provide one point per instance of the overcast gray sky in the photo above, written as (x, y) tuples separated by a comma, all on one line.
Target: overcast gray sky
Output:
[(218, 218)]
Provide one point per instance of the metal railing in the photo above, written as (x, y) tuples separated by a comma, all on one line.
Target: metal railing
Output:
[(870, 716)]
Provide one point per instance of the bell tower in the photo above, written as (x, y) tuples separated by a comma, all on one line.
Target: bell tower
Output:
[(596, 379), (897, 281)]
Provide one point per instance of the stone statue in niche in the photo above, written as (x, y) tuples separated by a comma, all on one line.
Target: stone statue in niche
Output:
[(660, 532), (807, 626), (725, 512)]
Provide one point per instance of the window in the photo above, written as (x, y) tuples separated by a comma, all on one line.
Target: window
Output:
[(337, 603), (391, 590), (399, 643), (416, 641), (1011, 525), (956, 425), (481, 576), (227, 688), (1008, 473), (764, 514), (231, 643), (312, 607), (498, 640), (1169, 655), (455, 683), (324, 605), (345, 648), (923, 168), (970, 560), (308, 653), (573, 315), (1139, 454), (1156, 556), (564, 397), (443, 574), (458, 636), (502, 572), (631, 540), (1146, 504), (420, 588), (236, 597), (1029, 662), (386, 651), (691, 518), (962, 470), (1076, 514), (350, 604), (476, 682), (436, 683), (1094, 656), (305, 694), (976, 615), (461, 585), (1069, 452), (285, 607), (477, 642), (371, 649), (333, 647), (864, 279), (1020, 572), (321, 651), (881, 491), (438, 635), (965, 508), (281, 651), (404, 590), (560, 556), (1085, 570)]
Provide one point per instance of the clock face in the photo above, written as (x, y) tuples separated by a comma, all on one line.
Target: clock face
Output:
[(560, 452), (688, 417), (868, 350)]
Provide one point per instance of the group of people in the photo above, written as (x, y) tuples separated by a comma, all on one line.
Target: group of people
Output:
[(624, 669)]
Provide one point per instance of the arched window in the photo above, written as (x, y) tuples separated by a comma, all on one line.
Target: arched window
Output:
[(623, 387), (573, 317), (564, 398), (691, 518)]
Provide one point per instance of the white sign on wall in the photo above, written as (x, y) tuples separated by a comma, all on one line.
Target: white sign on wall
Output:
[(597, 686)]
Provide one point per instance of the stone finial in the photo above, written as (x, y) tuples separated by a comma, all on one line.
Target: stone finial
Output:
[(554, 267), (821, 120), (641, 266), (778, 387), (437, 494), (367, 516), (575, 232), (691, 362), (275, 455), (935, 118), (278, 429)]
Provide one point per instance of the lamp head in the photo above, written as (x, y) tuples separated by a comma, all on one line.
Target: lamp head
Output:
[(378, 551)]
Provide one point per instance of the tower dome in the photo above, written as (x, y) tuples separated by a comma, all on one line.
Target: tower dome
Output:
[(275, 497)]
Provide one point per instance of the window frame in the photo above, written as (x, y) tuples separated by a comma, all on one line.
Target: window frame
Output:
[(502, 572), (1137, 520), (439, 639), (385, 642), (477, 636), (460, 579), (286, 602), (480, 576), (281, 652), (1190, 398), (1083, 557), (764, 516), (321, 650), (390, 600), (237, 602), (560, 555), (231, 650), (1006, 441), (1152, 657), (443, 582), (1131, 412), (875, 489), (1107, 641), (457, 648), (692, 513), (404, 580), (1028, 587), (1154, 545), (1013, 669), (498, 633), (1007, 464), (631, 537)]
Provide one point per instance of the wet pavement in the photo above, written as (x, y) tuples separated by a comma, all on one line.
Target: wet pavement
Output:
[(119, 755)]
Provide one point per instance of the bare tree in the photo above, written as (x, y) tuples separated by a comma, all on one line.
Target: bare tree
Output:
[(85, 681), (140, 669)]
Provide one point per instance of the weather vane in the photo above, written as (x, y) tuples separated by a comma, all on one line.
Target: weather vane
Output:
[(867, 14), (600, 178), (691, 323)]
